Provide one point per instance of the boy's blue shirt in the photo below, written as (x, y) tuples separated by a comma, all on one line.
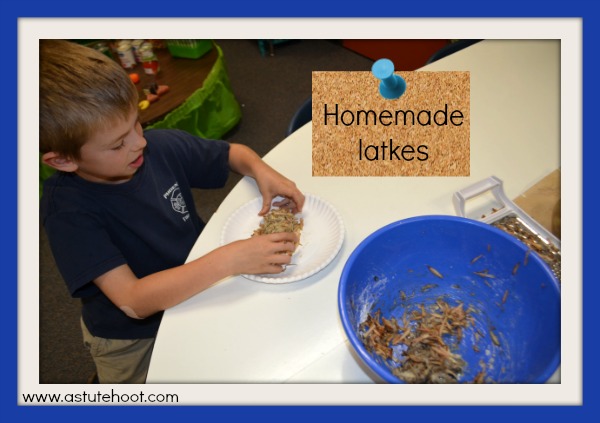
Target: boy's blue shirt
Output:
[(149, 223)]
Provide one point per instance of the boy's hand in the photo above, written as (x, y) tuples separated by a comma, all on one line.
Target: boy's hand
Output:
[(263, 253), (272, 185)]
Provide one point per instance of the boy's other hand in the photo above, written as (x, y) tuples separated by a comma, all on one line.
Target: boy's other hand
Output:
[(292, 197), (263, 254)]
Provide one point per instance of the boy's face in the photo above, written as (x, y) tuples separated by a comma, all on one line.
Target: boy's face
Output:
[(113, 155)]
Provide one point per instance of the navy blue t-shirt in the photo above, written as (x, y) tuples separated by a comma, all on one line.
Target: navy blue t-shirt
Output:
[(149, 222)]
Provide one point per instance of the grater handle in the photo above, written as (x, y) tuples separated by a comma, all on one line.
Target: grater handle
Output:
[(491, 183)]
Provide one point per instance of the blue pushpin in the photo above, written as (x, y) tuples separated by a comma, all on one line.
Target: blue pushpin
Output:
[(391, 86)]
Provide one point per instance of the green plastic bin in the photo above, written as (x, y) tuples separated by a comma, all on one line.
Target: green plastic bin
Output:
[(210, 111), (189, 49)]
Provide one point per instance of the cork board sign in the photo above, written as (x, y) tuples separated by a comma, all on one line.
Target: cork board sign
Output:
[(358, 132)]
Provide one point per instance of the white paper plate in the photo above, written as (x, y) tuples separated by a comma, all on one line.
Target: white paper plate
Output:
[(321, 238)]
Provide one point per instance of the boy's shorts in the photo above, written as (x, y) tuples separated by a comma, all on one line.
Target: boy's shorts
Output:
[(119, 360)]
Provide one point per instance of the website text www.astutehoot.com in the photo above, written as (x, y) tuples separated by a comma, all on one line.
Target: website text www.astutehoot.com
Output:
[(99, 397)]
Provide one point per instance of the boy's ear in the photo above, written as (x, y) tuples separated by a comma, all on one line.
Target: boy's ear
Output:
[(59, 162)]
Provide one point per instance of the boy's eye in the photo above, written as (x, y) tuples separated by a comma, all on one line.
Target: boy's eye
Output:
[(120, 146)]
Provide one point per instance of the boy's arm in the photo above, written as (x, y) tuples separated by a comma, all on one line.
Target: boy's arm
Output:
[(271, 183), (140, 298)]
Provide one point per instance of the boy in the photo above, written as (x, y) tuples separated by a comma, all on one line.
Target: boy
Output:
[(119, 212)]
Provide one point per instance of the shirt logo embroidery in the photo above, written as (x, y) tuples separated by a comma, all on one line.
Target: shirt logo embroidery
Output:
[(177, 202)]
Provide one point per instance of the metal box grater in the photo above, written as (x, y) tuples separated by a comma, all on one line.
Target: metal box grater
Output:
[(513, 220)]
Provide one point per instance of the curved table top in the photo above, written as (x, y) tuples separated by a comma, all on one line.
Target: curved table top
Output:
[(242, 331)]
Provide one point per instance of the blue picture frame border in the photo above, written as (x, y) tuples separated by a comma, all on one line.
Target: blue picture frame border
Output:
[(466, 9)]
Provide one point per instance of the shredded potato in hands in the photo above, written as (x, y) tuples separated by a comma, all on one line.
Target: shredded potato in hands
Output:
[(280, 220)]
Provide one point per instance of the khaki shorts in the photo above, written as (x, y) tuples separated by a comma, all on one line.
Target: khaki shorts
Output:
[(119, 360)]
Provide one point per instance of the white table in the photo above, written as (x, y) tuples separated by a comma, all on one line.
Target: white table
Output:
[(244, 331)]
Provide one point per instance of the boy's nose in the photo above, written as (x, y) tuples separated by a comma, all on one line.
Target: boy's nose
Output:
[(140, 143)]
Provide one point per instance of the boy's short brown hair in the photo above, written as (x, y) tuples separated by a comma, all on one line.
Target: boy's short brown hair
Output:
[(81, 92)]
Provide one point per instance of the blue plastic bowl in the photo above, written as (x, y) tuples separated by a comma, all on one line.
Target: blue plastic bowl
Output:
[(395, 258)]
